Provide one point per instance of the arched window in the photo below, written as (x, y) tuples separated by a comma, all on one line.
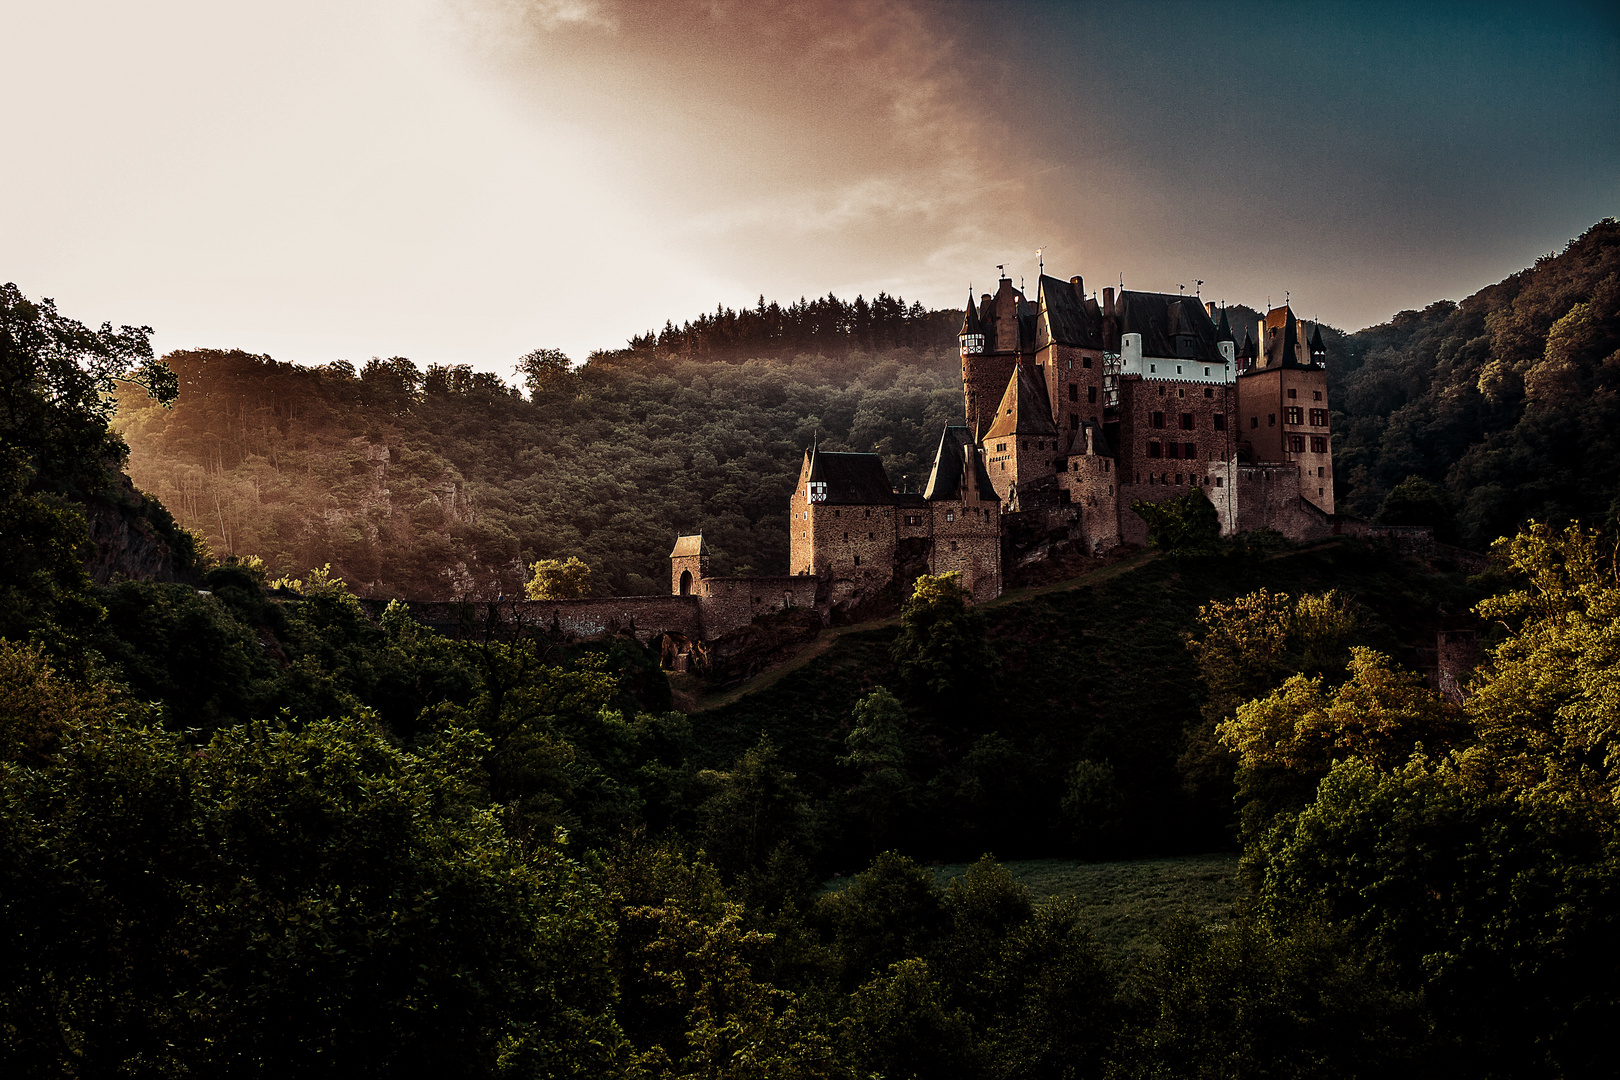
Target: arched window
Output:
[(686, 583)]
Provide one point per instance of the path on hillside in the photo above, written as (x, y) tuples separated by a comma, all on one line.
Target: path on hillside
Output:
[(828, 637)]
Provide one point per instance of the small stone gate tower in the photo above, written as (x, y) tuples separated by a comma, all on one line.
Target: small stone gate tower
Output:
[(688, 565)]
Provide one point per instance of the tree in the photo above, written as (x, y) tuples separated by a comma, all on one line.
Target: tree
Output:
[(56, 382), (1186, 525), (281, 901), (1546, 706), (544, 372), (553, 579), (876, 754), (1415, 501), (941, 651)]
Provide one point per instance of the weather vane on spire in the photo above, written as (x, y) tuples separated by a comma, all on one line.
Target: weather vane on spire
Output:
[(1001, 268), (1040, 260)]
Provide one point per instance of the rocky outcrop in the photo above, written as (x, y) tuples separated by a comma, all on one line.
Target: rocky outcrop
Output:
[(132, 536)]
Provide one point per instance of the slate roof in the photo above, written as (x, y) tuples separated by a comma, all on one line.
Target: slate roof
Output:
[(1065, 313), (851, 479), (1024, 408), (690, 545), (970, 320), (945, 482), (1160, 317), (1099, 441), (1223, 332), (1282, 350)]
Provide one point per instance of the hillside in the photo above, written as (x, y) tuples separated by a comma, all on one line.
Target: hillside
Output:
[(436, 486), (1098, 672), (1506, 401)]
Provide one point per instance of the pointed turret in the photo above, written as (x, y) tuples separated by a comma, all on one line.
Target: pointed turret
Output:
[(1223, 332), (1318, 350), (951, 477), (970, 321)]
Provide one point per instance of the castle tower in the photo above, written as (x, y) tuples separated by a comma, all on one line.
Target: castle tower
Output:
[(964, 515), (990, 340), (1283, 406), (1021, 446), (688, 565), (1069, 355)]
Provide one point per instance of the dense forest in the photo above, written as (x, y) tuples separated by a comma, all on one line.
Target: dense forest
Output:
[(251, 831), (1475, 416)]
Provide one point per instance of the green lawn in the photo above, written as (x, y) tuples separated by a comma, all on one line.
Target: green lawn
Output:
[(1126, 901)]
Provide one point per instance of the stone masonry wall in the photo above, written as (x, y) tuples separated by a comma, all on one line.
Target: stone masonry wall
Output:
[(1175, 403)]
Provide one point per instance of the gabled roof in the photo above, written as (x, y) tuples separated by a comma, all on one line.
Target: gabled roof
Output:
[(691, 544), (945, 481), (1160, 318), (1065, 314), (1024, 409), (1249, 349), (851, 479)]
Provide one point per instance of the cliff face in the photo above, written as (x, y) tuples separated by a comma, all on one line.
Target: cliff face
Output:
[(132, 536)]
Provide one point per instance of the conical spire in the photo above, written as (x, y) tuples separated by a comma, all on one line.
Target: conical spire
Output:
[(970, 321), (1318, 350), (1290, 346), (1223, 332)]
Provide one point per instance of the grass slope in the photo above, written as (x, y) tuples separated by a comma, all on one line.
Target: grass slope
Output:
[(1095, 670)]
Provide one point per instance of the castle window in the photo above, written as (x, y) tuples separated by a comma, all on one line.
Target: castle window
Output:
[(1319, 444), (1296, 444), (1318, 418), (1186, 421), (1178, 478), (869, 513), (846, 538), (953, 545), (1178, 369), (1001, 448), (1254, 421), (1296, 415), (1152, 368), (1085, 361), (1209, 392), (1321, 470), (1110, 489), (950, 515), (1316, 395), (1220, 421), (857, 560), (1186, 345), (1217, 481), (1158, 419), (1206, 375), (835, 513), (1271, 419), (1091, 394), (1074, 392), (1181, 393), (1189, 450), (871, 536), (1154, 449), (1173, 449), (1293, 393)]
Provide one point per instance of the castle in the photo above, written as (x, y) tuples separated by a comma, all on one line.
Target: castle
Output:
[(1075, 407)]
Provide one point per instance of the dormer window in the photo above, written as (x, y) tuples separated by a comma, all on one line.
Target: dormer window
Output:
[(1186, 345)]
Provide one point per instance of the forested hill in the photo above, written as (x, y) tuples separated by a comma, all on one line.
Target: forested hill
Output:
[(1504, 403), (445, 484)]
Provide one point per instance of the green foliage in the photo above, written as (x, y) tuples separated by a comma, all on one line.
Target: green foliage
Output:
[(1185, 525), (1257, 1000), (453, 490), (545, 372), (1093, 805), (1505, 402), (878, 757), (1547, 707), (282, 901), (1415, 501), (940, 653), (553, 579), (1499, 911)]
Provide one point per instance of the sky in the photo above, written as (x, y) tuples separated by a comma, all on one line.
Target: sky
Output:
[(462, 181)]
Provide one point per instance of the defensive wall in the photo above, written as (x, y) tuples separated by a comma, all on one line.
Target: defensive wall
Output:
[(723, 606)]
